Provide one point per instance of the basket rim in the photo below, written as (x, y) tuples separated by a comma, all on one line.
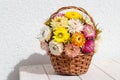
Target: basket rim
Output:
[(74, 7), (62, 54)]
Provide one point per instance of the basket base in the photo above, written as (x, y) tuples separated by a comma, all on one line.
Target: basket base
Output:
[(70, 66), (70, 74)]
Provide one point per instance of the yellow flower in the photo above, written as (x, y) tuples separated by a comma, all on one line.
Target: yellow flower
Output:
[(59, 21), (73, 15), (78, 39), (61, 34)]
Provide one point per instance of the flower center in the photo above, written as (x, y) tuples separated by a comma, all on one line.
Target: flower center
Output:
[(58, 20), (71, 49), (60, 35), (43, 33), (73, 14), (55, 47), (79, 38), (75, 23)]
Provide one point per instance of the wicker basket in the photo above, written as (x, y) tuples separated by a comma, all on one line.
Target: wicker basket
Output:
[(71, 66)]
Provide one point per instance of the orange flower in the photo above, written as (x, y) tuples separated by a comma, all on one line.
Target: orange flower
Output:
[(78, 39)]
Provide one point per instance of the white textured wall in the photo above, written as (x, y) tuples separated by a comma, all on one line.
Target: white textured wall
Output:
[(20, 21)]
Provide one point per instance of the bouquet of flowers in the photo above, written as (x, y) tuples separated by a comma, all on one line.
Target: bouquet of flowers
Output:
[(69, 34)]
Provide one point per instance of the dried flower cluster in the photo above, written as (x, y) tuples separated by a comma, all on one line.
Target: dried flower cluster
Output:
[(68, 33)]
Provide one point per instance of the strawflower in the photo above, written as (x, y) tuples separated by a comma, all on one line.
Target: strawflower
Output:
[(44, 46), (44, 34), (78, 39), (55, 48), (59, 21), (71, 50), (88, 47), (89, 31), (75, 25), (61, 34), (73, 15)]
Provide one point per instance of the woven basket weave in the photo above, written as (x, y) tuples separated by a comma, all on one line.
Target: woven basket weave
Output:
[(71, 66)]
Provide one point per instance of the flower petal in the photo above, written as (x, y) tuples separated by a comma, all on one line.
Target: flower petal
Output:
[(55, 48), (71, 50), (88, 47), (89, 31)]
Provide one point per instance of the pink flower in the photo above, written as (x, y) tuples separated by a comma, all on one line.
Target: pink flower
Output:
[(88, 47), (89, 31), (44, 46), (71, 50), (58, 15)]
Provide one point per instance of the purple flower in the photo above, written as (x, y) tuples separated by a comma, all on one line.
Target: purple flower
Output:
[(88, 47)]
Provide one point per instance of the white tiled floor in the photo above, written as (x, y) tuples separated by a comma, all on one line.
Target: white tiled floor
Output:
[(104, 69)]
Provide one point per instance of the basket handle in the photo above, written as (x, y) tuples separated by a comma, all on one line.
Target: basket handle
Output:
[(69, 7)]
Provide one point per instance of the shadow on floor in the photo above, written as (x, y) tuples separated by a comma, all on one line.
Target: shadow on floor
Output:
[(34, 59)]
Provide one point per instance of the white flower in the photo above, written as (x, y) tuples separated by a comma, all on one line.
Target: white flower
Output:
[(55, 48), (44, 34), (75, 26)]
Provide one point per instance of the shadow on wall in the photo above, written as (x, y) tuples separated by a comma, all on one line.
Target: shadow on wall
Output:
[(34, 59)]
